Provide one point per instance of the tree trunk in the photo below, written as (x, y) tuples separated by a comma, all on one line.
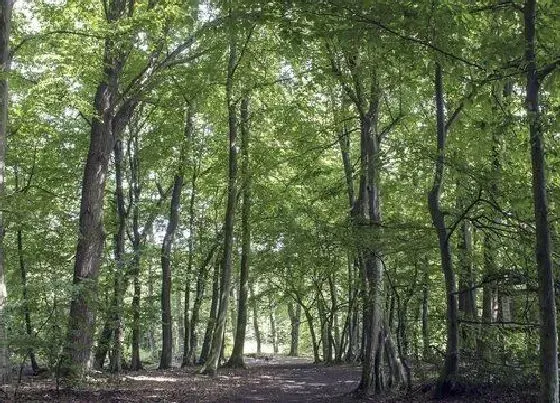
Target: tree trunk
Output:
[(273, 332), (425, 331), (6, 7), (112, 325), (255, 319), (201, 280), (211, 365), (107, 123), (236, 359), (208, 335), (188, 349), (295, 320), (548, 334), (26, 311), (166, 318), (449, 370), (314, 343), (372, 268)]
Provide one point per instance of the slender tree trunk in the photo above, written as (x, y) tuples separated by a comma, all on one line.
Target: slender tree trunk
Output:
[(449, 370), (543, 249), (255, 319), (209, 334), (188, 351), (273, 331), (166, 317), (425, 330), (201, 280), (26, 310), (236, 359), (6, 7), (211, 365), (138, 241), (314, 342)]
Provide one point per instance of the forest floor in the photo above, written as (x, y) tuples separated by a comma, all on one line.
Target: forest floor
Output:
[(282, 379)]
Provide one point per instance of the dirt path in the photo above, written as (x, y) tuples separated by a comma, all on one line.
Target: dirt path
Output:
[(281, 380)]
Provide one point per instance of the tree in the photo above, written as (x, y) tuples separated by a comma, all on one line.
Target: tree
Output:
[(236, 358), (106, 126), (6, 8), (543, 249)]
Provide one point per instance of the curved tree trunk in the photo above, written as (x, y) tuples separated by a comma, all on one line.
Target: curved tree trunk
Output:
[(452, 335)]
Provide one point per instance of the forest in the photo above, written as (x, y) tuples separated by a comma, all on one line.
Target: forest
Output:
[(280, 200)]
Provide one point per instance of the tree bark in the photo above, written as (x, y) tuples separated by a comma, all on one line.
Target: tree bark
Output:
[(113, 324), (166, 318), (6, 7), (236, 359), (543, 249), (425, 330), (197, 304), (255, 319), (208, 335), (449, 370), (295, 320), (211, 365), (188, 350), (107, 123)]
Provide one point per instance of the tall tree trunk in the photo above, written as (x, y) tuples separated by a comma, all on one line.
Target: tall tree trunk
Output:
[(6, 7), (295, 320), (107, 123), (121, 275), (211, 365), (188, 350), (467, 295), (548, 334), (351, 327), (236, 359), (372, 268), (449, 370), (112, 325), (166, 318), (138, 243)]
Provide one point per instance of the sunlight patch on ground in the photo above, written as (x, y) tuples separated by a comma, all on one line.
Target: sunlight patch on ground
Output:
[(151, 378)]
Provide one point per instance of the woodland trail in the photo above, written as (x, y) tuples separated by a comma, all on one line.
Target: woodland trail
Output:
[(284, 379)]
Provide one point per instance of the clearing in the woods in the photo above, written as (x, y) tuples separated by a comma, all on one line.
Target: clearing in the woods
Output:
[(282, 379)]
